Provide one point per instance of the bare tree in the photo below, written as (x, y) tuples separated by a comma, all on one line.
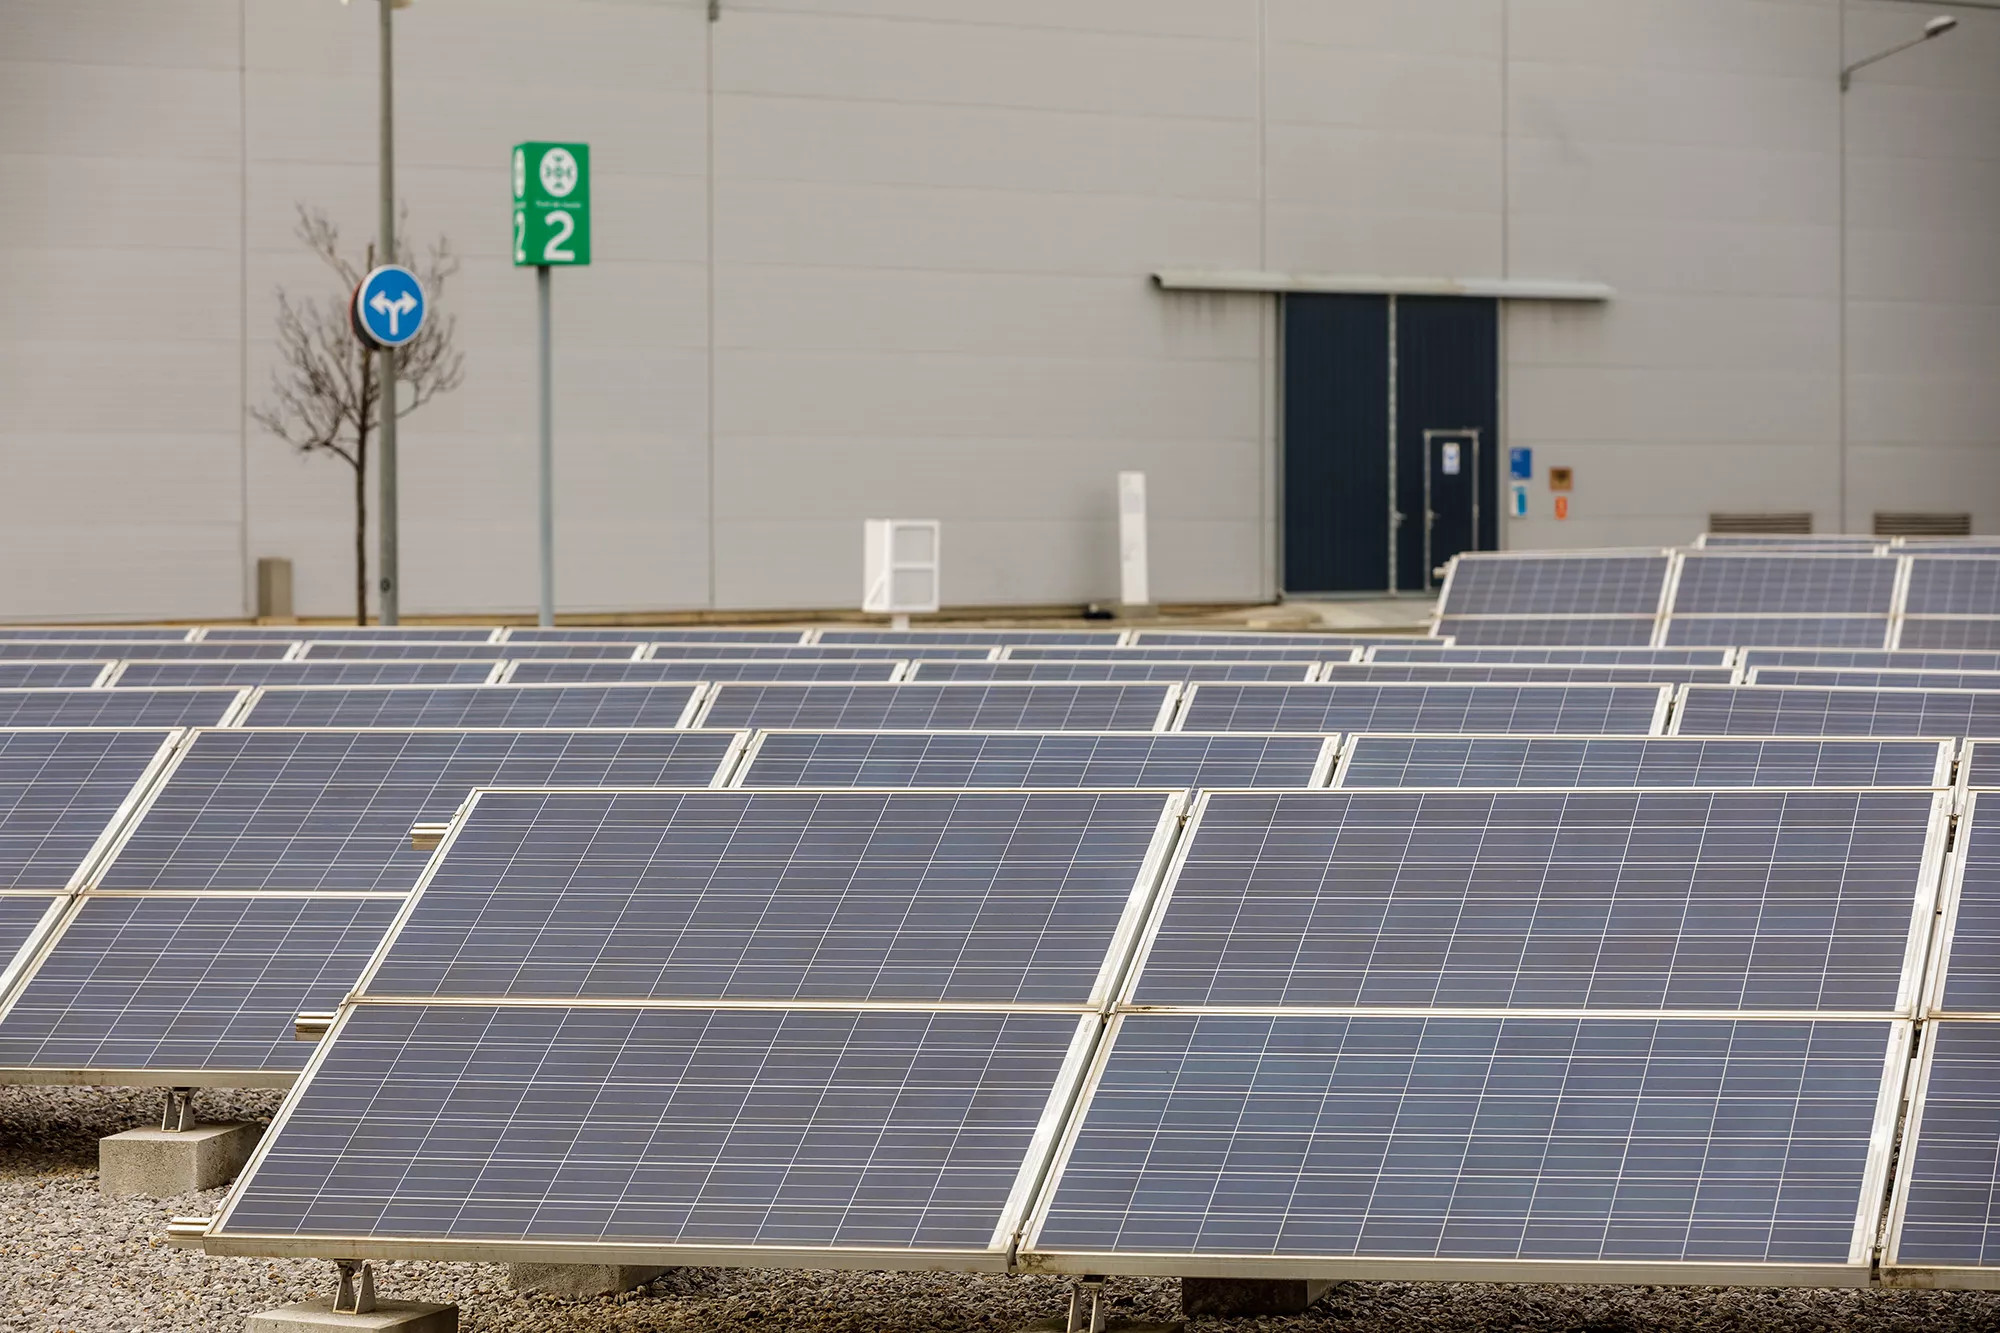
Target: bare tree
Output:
[(326, 394)]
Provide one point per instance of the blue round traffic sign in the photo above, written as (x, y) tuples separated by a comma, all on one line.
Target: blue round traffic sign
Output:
[(389, 306)]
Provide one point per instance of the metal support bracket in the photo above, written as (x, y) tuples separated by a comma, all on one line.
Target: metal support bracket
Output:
[(356, 1292), (1088, 1307), (714, 10), (177, 1116)]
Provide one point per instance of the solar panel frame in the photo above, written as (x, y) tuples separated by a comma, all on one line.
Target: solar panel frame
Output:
[(167, 745), (91, 704), (1973, 838), (694, 705), (1550, 631), (290, 671), (1417, 695), (1940, 777), (1322, 767), (1862, 633), (1967, 1127), (1636, 600), (729, 692), (1827, 699), (995, 1257), (1822, 584), (62, 675), (932, 672), (1121, 945), (675, 670), (23, 938), (1925, 891), (1872, 1182)]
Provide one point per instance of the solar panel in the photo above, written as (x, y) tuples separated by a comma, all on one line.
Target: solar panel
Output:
[(1799, 541), (1777, 631), (919, 641), (977, 898), (564, 673), (1872, 660), (1966, 975), (1981, 764), (21, 917), (95, 633), (1026, 759), (54, 675), (1109, 670), (116, 708), (320, 651), (833, 652), (1178, 653), (1560, 762), (1551, 631), (379, 633), (652, 634), (61, 794), (302, 673), (1332, 642), (330, 811), (1813, 585), (204, 987), (1949, 546), (1310, 1139), (1555, 585), (947, 707), (78, 650), (1590, 709), (1738, 901), (511, 706), (1968, 586), (1532, 655), (1448, 673), (1788, 710), (1915, 680), (1947, 1212), (702, 1135), (1975, 634)]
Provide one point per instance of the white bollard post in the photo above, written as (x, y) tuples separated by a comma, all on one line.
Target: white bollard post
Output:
[(1135, 593)]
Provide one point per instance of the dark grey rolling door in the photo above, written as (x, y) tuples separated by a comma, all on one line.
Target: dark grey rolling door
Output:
[(1336, 461)]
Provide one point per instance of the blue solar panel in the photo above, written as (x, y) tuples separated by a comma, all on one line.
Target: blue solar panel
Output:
[(1532, 655), (149, 674), (77, 650), (1777, 631), (1871, 660), (1447, 673), (1630, 710), (1980, 634), (1969, 962), (1001, 707), (380, 633), (1909, 680), (60, 793), (1831, 543), (104, 633), (1556, 762), (987, 898), (51, 675), (1790, 584), (1182, 653), (1314, 1137), (1736, 901), (511, 706), (1981, 764), (918, 640), (115, 708), (1109, 670), (653, 634), (1953, 587), (328, 810), (1788, 710), (21, 915), (202, 985), (1029, 759), (491, 652), (1333, 643), (1555, 585), (565, 673), (773, 1131), (832, 652), (1948, 1211), (1550, 631)]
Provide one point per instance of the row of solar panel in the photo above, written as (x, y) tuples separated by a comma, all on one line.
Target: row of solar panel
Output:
[(1846, 541), (257, 640), (1965, 633), (1346, 1033)]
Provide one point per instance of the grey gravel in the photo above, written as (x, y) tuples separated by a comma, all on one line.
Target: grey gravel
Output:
[(73, 1261)]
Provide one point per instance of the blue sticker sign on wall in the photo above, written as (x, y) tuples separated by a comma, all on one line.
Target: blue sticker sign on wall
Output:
[(1521, 463), (1517, 499)]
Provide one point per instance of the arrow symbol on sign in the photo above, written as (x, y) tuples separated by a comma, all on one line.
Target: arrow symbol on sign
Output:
[(393, 309)]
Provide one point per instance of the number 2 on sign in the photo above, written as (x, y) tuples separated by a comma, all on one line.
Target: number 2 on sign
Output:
[(565, 225), (520, 237)]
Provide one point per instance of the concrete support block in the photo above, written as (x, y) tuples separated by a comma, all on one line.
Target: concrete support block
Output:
[(1231, 1298), (166, 1163), (317, 1316), (576, 1281)]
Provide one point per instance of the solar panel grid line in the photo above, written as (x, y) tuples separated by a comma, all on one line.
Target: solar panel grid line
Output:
[(1578, 754), (1120, 950), (1354, 882), (1324, 1157), (230, 1234), (1940, 1228)]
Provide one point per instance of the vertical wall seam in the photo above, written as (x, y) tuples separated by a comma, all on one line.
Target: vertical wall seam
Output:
[(1268, 346), (708, 98), (1503, 314), (245, 592), (1840, 276)]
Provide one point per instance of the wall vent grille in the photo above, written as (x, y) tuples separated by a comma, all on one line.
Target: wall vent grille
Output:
[(1923, 525), (1761, 523)]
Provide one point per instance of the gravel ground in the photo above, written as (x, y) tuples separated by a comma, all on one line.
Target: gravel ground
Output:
[(72, 1261)]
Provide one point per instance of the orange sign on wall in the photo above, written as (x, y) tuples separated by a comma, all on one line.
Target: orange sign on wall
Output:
[(1562, 506)]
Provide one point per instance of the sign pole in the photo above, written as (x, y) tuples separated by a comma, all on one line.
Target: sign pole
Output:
[(548, 453), (390, 607)]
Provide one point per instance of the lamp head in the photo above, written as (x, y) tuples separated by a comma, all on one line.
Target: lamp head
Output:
[(1939, 26)]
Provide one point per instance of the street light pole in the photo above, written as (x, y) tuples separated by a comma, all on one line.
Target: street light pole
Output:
[(386, 228)]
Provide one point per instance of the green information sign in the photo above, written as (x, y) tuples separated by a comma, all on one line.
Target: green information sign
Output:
[(551, 204)]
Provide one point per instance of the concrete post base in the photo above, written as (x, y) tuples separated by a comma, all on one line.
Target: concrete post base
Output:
[(1228, 1297), (317, 1316), (163, 1163), (579, 1280)]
